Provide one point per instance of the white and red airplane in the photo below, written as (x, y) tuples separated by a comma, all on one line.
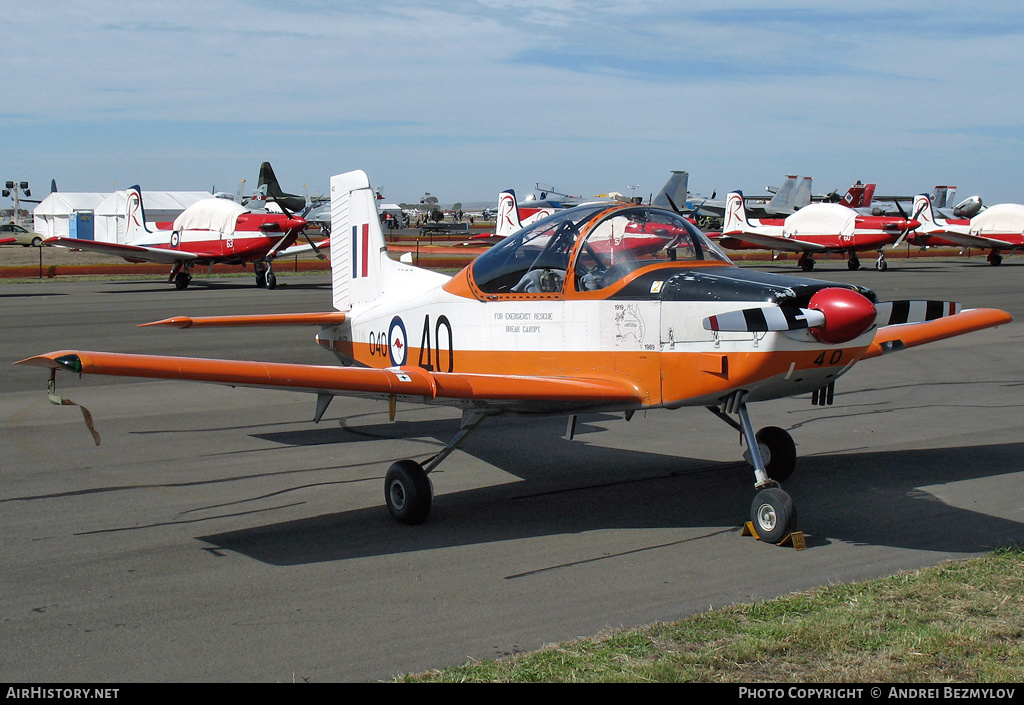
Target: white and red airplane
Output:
[(817, 228), (211, 231), (568, 316), (998, 228)]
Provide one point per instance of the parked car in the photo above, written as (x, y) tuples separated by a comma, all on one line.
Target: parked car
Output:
[(23, 237)]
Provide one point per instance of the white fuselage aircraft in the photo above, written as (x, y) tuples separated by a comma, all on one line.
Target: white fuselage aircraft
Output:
[(604, 307)]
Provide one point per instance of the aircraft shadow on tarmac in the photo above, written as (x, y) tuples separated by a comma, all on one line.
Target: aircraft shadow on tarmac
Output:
[(571, 487)]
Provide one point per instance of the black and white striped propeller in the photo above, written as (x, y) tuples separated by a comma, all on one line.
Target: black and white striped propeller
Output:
[(833, 315)]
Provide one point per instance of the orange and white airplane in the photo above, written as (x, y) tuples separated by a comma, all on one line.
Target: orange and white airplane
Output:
[(607, 307), (210, 231), (998, 228), (817, 228)]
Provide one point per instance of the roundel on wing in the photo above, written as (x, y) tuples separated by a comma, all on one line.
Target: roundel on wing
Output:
[(397, 342)]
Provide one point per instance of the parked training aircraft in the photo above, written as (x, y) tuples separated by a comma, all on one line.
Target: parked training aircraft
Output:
[(819, 227), (998, 228), (210, 231), (605, 307)]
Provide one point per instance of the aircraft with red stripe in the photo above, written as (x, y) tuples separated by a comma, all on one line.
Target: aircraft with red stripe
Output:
[(211, 231), (564, 318), (816, 228), (998, 228)]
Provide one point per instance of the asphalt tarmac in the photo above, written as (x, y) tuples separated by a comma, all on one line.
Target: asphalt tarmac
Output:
[(218, 534)]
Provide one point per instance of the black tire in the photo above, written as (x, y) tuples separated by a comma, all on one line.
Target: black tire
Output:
[(881, 265), (853, 264), (807, 265), (37, 242), (407, 492), (271, 280), (181, 280), (781, 452), (773, 515)]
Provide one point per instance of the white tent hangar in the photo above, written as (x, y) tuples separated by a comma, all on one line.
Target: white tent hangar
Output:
[(159, 207), (101, 216), (60, 213)]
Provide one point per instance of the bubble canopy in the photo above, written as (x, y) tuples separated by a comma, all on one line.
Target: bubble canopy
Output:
[(592, 246)]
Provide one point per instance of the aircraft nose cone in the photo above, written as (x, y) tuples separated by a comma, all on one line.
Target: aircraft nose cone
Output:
[(847, 314)]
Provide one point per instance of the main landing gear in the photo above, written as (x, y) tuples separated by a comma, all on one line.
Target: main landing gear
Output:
[(772, 512), (180, 276), (407, 489)]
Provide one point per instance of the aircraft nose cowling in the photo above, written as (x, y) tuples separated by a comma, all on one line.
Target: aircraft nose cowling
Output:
[(847, 315)]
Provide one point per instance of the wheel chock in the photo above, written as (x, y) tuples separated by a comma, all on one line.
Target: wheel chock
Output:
[(795, 539)]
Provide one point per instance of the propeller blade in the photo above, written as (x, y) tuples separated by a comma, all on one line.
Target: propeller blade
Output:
[(764, 319), (891, 313)]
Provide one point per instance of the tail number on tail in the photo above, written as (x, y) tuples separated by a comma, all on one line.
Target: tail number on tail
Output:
[(431, 357)]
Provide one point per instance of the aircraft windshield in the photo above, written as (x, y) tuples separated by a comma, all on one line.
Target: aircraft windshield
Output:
[(536, 258), (630, 239)]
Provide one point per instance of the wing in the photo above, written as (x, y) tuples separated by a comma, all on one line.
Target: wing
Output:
[(7, 240), (331, 318), (132, 253), (775, 242), (968, 240), (506, 392), (894, 338)]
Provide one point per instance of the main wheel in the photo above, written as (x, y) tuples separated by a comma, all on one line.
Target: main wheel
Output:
[(181, 280), (853, 264), (778, 452), (773, 515), (408, 492)]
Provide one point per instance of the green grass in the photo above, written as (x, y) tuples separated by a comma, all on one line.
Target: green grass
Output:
[(956, 622)]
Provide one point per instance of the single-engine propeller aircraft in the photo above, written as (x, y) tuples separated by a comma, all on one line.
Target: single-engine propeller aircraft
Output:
[(211, 231), (998, 228), (817, 228), (607, 307)]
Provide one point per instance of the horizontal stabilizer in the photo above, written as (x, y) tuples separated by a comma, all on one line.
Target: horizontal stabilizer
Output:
[(891, 313)]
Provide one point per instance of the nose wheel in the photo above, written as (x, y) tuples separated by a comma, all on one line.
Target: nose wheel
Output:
[(772, 513)]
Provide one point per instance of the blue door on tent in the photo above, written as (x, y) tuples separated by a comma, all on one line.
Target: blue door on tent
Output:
[(81, 225)]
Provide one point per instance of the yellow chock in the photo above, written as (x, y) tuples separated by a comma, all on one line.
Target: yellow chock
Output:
[(795, 539)]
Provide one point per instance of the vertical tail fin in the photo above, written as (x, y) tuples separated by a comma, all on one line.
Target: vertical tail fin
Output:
[(508, 214), (924, 214), (673, 193), (361, 270), (268, 178), (135, 216), (803, 194), (357, 242), (783, 198), (735, 214), (859, 195)]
